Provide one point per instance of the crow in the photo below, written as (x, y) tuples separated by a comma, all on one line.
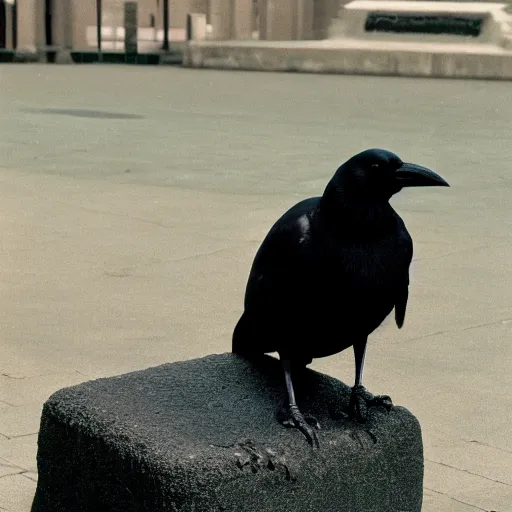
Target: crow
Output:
[(328, 273)]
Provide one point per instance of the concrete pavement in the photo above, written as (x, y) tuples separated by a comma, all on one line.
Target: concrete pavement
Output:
[(134, 199)]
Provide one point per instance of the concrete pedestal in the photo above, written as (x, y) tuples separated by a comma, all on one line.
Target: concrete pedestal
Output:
[(179, 10), (196, 27), (202, 435)]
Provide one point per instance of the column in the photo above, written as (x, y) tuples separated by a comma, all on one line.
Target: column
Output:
[(323, 13), (220, 16), (146, 8), (277, 19), (62, 23), (130, 27), (40, 24), (8, 26), (159, 16), (241, 19), (198, 6), (83, 16), (304, 17), (27, 35), (286, 20)]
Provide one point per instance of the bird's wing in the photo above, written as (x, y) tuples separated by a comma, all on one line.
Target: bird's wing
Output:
[(401, 302), (267, 296), (275, 273), (402, 291)]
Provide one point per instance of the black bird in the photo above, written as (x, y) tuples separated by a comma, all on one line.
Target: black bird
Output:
[(329, 271)]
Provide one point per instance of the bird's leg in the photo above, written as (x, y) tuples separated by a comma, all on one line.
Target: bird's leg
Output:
[(306, 424), (361, 399)]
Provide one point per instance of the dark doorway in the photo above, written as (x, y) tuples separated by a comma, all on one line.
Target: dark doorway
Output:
[(15, 24), (48, 22), (48, 29), (3, 27)]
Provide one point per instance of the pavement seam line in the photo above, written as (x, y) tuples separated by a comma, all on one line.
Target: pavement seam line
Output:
[(11, 376), (488, 324), (7, 403), (27, 477), (455, 499), (469, 472), (23, 435), (12, 474), (487, 444)]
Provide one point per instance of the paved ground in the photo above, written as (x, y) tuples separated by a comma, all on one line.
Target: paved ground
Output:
[(127, 238)]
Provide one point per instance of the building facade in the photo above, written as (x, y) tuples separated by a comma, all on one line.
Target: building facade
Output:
[(34, 25)]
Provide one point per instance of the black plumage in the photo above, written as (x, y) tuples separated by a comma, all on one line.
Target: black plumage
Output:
[(329, 272)]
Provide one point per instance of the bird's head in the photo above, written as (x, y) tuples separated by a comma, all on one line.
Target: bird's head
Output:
[(377, 174)]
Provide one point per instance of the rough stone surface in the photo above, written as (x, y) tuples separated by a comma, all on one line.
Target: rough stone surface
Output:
[(202, 435)]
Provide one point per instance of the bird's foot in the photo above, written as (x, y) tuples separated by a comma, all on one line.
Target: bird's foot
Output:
[(361, 401), (305, 423)]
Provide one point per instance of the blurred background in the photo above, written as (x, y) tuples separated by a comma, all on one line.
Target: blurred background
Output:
[(134, 198)]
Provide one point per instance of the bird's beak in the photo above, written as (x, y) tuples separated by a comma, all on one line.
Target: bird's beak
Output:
[(412, 175)]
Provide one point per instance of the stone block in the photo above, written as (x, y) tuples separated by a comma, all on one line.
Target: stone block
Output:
[(202, 435), (196, 27)]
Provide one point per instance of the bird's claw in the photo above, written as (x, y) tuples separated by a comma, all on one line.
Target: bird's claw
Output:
[(305, 423), (361, 400)]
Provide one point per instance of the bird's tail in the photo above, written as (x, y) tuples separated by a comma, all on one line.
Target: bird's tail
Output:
[(237, 340), (247, 340)]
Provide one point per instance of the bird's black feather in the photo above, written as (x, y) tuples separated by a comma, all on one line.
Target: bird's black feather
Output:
[(331, 268)]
